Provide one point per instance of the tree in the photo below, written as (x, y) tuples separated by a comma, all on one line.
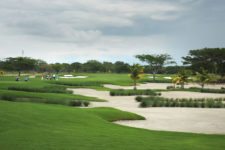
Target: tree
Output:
[(136, 71), (211, 59), (121, 67), (76, 67), (202, 77), (182, 77), (92, 66), (18, 64), (108, 67), (57, 67), (156, 62)]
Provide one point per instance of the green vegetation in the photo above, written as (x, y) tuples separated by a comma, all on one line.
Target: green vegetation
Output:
[(45, 89), (50, 98), (44, 127), (122, 92), (136, 73), (156, 62), (213, 90), (166, 102)]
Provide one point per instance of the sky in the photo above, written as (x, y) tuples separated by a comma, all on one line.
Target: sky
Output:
[(108, 30)]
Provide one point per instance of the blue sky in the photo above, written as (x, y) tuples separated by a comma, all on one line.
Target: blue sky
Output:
[(109, 30)]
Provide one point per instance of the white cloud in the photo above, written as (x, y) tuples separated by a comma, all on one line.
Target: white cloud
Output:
[(88, 29)]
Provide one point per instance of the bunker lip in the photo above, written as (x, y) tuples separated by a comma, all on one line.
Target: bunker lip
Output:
[(194, 120)]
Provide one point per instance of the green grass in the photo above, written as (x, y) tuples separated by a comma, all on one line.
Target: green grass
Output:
[(26, 126), (51, 98)]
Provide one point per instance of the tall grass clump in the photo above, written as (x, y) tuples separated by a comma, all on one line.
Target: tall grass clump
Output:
[(46, 89), (222, 90), (122, 92), (154, 101)]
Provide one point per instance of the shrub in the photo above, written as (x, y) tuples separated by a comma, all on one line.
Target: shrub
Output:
[(170, 87), (76, 103), (144, 104), (138, 98), (86, 103), (8, 97)]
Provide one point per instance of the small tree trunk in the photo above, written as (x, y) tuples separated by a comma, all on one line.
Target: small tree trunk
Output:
[(182, 85), (202, 85), (19, 73), (135, 85), (153, 75)]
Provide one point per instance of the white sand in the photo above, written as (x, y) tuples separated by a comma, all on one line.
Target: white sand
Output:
[(197, 120), (76, 77), (162, 86)]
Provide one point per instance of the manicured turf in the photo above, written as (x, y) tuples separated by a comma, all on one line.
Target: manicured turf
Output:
[(27, 126)]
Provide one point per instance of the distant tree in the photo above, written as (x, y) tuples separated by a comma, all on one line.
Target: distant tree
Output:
[(41, 65), (93, 66), (172, 69), (156, 62), (121, 67), (18, 64), (108, 67), (66, 68), (136, 71), (202, 77), (57, 67), (212, 59), (76, 67)]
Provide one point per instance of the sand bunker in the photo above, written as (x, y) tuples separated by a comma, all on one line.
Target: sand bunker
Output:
[(197, 120), (72, 77), (162, 86)]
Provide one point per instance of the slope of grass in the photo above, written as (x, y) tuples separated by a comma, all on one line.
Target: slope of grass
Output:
[(51, 98), (26, 126)]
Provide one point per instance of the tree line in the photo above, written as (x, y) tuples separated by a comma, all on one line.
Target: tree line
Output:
[(210, 59)]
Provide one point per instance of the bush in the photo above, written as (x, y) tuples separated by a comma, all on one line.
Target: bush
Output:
[(76, 103), (8, 97), (138, 98), (86, 103), (170, 87), (144, 104), (79, 103)]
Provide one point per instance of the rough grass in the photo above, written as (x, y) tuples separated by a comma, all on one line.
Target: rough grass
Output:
[(45, 89), (26, 126), (122, 92), (166, 102), (50, 98)]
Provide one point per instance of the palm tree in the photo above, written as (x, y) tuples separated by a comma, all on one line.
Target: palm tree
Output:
[(202, 77), (136, 72), (182, 77)]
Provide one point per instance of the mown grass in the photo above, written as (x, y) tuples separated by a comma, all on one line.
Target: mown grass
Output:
[(26, 126)]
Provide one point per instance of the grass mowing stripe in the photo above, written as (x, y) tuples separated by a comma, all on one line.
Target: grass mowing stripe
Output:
[(46, 127)]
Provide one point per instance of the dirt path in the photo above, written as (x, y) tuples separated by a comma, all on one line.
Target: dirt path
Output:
[(197, 120)]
